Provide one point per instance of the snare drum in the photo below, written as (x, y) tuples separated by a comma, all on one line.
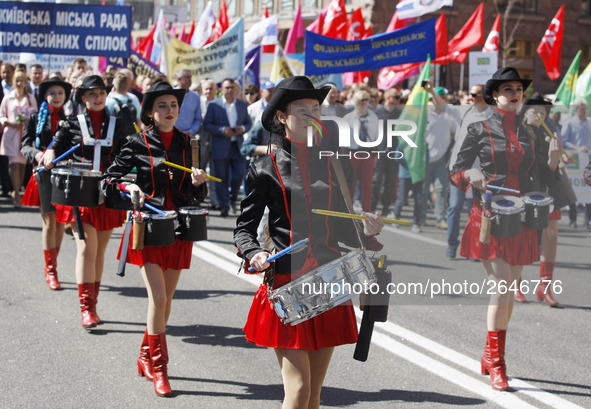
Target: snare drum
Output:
[(75, 187), (192, 223), (323, 288), (117, 201), (159, 230), (507, 216), (537, 210)]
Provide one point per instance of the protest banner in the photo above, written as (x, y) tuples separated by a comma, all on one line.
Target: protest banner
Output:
[(412, 44), (50, 63), (71, 29), (136, 63), (218, 60)]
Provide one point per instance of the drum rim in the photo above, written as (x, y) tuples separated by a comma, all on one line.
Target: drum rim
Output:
[(189, 209), (516, 209), (170, 214), (548, 199), (76, 172)]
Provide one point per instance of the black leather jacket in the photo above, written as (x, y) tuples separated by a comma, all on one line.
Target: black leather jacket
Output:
[(145, 151), (70, 134), (275, 181), (486, 141), (30, 145)]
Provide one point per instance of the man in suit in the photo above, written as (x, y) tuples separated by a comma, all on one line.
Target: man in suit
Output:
[(36, 76), (227, 120)]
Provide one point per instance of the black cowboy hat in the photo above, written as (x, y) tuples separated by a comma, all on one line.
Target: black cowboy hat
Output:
[(45, 85), (538, 100), (289, 90), (157, 90), (88, 83), (505, 74)]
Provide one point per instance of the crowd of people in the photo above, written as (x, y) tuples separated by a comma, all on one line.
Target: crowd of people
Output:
[(256, 141)]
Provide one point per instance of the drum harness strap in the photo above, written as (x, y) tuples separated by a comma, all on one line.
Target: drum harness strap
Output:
[(338, 170), (98, 143)]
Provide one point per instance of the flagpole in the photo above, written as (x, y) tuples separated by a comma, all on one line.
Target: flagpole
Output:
[(461, 77)]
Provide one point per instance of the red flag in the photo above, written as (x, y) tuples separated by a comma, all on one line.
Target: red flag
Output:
[(396, 23), (550, 48), (356, 26), (441, 39), (223, 23), (144, 46), (360, 76), (492, 41), (191, 31), (470, 35), (335, 21)]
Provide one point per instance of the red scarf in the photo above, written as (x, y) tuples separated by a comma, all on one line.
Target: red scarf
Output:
[(55, 118), (97, 118)]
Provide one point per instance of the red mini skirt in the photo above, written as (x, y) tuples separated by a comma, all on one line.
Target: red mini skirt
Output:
[(336, 326), (101, 218), (177, 256), (522, 249)]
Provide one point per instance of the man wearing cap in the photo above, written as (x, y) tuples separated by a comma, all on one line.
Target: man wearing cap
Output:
[(189, 120), (255, 110), (227, 120), (439, 135)]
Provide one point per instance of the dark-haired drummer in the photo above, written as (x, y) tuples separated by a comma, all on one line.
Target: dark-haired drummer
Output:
[(100, 137), (167, 189), (291, 182), (41, 128)]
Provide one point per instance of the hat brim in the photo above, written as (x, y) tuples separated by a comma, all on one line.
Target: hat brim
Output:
[(44, 86), (150, 97), (494, 84), (81, 91), (283, 97)]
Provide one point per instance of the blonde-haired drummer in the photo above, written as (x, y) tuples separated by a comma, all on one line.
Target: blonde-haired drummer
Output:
[(165, 188), (290, 182)]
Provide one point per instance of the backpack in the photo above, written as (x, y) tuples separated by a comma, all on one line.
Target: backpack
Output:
[(127, 113)]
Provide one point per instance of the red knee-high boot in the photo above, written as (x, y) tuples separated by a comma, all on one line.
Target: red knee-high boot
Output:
[(544, 291), (159, 358), (144, 364), (51, 269), (86, 296), (519, 297), (497, 368), (95, 317)]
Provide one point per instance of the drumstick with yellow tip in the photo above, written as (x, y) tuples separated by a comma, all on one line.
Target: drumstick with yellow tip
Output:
[(174, 165), (554, 137), (358, 216)]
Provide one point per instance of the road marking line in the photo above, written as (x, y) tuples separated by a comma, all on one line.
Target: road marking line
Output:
[(208, 252)]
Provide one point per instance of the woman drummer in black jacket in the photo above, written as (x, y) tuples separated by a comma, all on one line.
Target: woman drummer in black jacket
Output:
[(509, 157), (168, 189), (290, 183), (90, 128), (41, 127)]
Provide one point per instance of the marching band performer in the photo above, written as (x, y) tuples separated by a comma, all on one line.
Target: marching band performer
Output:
[(99, 141), (38, 135), (290, 183), (167, 189), (541, 107), (509, 157)]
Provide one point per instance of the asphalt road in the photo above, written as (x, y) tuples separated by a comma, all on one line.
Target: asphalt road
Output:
[(426, 355)]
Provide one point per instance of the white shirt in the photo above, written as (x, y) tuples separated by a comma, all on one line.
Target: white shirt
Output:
[(372, 126), (438, 135)]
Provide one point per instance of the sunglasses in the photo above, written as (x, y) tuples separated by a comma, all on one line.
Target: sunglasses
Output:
[(475, 95), (364, 100), (250, 93)]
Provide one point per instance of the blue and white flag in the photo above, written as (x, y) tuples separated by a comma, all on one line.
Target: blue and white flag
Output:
[(416, 8)]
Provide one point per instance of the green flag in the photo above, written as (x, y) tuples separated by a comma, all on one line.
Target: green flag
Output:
[(583, 87), (565, 94), (415, 110)]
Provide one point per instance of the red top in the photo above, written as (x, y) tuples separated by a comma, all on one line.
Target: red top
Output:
[(513, 149), (97, 118), (166, 138), (55, 118)]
